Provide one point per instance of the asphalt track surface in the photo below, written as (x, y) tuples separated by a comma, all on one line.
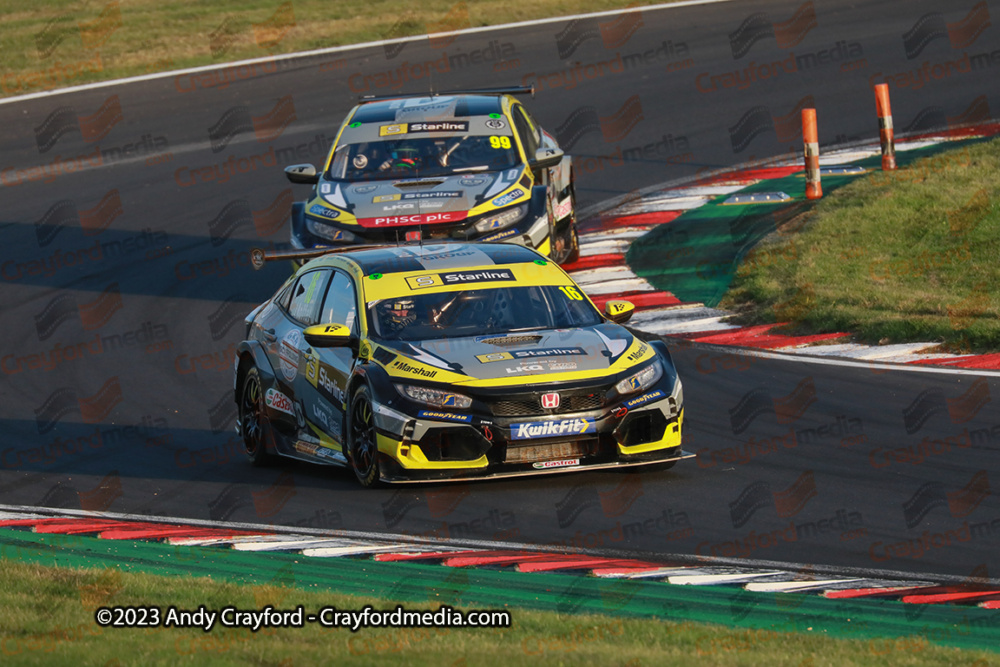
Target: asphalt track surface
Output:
[(125, 281)]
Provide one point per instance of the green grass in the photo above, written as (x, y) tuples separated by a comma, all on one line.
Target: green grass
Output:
[(905, 256), (48, 618), (56, 43)]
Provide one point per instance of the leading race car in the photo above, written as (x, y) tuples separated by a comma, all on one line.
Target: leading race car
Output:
[(469, 165), (449, 362)]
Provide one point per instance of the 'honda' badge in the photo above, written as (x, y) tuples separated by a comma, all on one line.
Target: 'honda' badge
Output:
[(550, 401)]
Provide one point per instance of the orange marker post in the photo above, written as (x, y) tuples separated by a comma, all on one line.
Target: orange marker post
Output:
[(885, 133), (810, 138)]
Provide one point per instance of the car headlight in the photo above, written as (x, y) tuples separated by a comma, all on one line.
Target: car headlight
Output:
[(328, 232), (501, 219), (642, 380), (435, 397)]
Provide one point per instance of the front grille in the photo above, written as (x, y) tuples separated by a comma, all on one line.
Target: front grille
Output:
[(551, 452), (526, 405), (512, 340)]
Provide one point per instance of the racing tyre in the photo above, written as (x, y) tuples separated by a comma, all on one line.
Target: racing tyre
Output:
[(572, 245), (254, 425), (568, 241), (363, 445)]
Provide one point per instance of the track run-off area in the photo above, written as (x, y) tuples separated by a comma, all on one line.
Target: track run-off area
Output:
[(128, 213)]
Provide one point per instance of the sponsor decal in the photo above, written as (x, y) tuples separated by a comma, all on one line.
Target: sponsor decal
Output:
[(389, 130), (496, 123), (471, 182), (416, 195), (416, 370), (509, 197), (645, 398), (366, 350), (364, 189), (564, 208), (542, 465), (306, 448), (639, 353), (288, 354), (317, 209), (531, 354), (329, 386), (562, 366), (278, 401), (446, 416), (323, 417), (459, 278), (551, 429), (414, 219), (327, 453), (360, 161), (414, 128), (501, 235), (441, 126)]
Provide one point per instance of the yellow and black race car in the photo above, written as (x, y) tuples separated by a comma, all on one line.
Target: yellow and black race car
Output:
[(451, 361), (465, 165)]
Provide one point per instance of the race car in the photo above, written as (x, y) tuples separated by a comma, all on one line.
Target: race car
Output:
[(451, 361), (466, 165)]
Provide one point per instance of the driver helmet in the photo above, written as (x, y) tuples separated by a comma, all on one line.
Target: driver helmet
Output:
[(398, 313), (406, 157)]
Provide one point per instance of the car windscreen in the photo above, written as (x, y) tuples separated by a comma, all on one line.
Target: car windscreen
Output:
[(480, 312), (426, 157)]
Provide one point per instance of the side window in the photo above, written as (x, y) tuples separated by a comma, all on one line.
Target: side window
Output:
[(283, 299), (306, 296), (527, 131), (340, 305)]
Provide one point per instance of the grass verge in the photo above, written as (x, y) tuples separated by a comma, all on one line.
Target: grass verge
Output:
[(49, 619), (58, 43), (894, 257)]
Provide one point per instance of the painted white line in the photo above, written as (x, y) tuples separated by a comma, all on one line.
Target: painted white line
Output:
[(604, 247), (292, 545), (602, 275), (839, 349), (616, 234), (920, 143), (839, 157), (439, 544), (708, 190), (650, 574), (335, 552), (711, 579), (619, 287), (662, 204), (853, 363), (350, 47), (17, 516), (882, 352), (219, 541), (792, 586), (929, 355)]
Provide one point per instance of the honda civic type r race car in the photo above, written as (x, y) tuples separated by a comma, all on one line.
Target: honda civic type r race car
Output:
[(451, 361), (470, 165)]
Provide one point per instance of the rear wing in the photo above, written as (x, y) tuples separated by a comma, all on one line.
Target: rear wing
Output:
[(259, 256), (511, 90)]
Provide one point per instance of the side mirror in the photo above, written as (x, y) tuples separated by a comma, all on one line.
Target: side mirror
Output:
[(619, 312), (328, 335), (546, 157), (304, 174)]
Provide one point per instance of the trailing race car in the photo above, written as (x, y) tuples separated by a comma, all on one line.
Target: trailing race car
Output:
[(449, 362), (466, 165)]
